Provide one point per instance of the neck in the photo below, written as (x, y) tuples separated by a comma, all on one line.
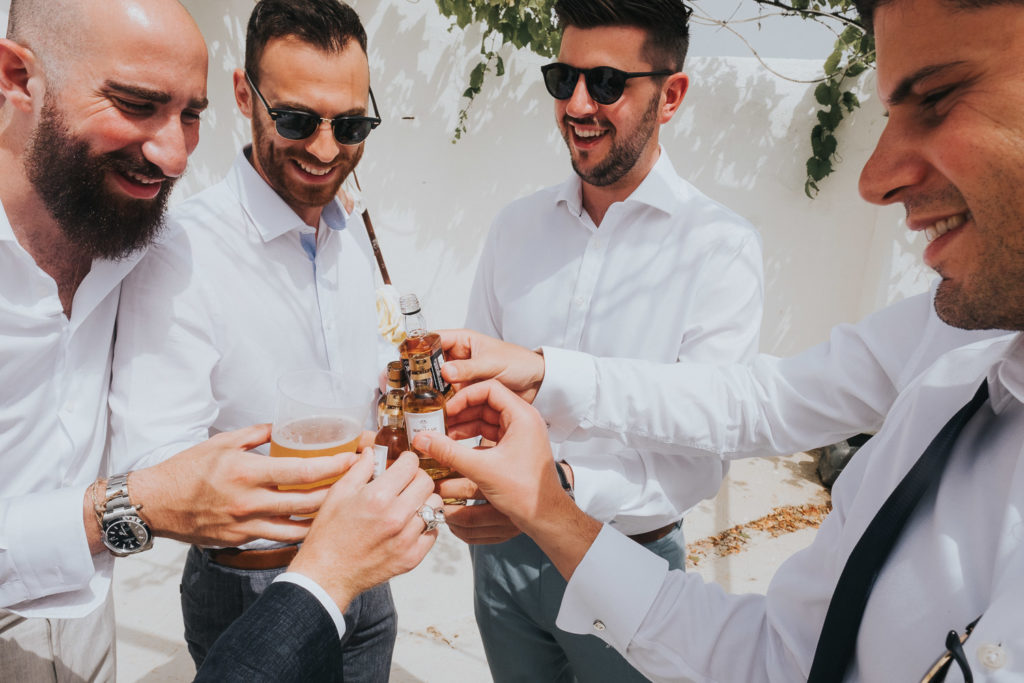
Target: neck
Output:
[(40, 236)]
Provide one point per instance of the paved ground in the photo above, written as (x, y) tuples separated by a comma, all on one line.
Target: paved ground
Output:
[(438, 641)]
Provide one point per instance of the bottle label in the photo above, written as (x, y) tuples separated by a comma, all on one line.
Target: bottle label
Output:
[(424, 422), (436, 363), (380, 459)]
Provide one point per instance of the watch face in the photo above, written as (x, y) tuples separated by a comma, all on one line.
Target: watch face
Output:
[(126, 535)]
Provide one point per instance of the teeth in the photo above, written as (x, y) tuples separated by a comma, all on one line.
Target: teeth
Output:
[(587, 133), (143, 180), (313, 171), (940, 228)]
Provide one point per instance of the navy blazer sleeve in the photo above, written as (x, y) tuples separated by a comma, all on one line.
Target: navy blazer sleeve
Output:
[(284, 636)]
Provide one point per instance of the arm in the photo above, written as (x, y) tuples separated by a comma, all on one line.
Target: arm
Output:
[(670, 625), (820, 396), (365, 534)]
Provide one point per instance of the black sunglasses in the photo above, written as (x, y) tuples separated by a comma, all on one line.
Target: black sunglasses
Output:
[(604, 83), (299, 125)]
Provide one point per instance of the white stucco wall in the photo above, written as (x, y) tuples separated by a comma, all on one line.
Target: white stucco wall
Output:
[(741, 136)]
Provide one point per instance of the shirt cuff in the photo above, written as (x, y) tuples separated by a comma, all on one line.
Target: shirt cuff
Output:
[(568, 391), (44, 536), (320, 594), (612, 590)]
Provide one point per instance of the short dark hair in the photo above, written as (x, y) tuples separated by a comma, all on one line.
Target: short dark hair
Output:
[(866, 8), (665, 21), (328, 25)]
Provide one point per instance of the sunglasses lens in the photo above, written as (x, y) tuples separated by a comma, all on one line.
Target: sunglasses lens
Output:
[(606, 84), (560, 80), (352, 131), (294, 125)]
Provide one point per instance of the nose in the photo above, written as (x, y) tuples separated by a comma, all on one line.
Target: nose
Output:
[(895, 166), (322, 144), (169, 146), (581, 104)]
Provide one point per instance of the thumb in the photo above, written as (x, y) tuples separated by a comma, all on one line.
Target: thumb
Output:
[(445, 451), (469, 370)]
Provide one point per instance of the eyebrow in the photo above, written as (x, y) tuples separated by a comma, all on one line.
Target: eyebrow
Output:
[(902, 91), (158, 96)]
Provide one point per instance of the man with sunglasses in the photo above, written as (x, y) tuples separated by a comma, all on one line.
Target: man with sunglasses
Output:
[(265, 272), (624, 259), (920, 566)]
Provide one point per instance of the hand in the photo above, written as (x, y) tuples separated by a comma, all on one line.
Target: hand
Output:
[(217, 493), (518, 474), (473, 357), (474, 524), (368, 531)]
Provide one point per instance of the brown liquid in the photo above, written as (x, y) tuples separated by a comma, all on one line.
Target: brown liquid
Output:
[(313, 437), (396, 441), (428, 345)]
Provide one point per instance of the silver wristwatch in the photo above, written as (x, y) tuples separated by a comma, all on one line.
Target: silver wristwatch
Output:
[(124, 531)]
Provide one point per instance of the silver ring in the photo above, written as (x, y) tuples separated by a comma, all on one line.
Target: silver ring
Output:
[(432, 517)]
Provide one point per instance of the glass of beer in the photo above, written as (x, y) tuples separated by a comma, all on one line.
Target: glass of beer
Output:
[(318, 413)]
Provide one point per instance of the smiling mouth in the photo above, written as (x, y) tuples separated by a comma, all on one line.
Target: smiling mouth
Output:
[(314, 171), (940, 228), (141, 179), (587, 133)]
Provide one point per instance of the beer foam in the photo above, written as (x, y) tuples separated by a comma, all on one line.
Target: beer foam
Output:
[(314, 433)]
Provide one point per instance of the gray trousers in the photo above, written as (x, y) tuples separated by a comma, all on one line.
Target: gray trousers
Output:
[(212, 597), (36, 650), (517, 596)]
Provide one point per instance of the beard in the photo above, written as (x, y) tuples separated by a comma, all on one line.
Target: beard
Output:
[(273, 161), (623, 155), (71, 181)]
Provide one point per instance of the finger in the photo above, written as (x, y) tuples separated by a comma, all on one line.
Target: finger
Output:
[(460, 488), (282, 529), (400, 475), (289, 471), (456, 344), (492, 395), (245, 438), (467, 430), (366, 440)]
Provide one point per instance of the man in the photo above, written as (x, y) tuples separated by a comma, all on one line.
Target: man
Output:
[(99, 110), (624, 259), (950, 77), (262, 275)]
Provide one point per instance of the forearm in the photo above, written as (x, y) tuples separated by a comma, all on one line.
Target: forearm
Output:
[(563, 532)]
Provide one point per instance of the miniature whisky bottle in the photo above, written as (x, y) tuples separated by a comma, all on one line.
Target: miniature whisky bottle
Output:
[(397, 380), (423, 406), (391, 440), (420, 340)]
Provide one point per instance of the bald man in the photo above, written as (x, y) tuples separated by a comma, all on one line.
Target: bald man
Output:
[(100, 103)]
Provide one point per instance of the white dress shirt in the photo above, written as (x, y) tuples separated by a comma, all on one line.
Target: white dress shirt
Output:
[(960, 556), (55, 375), (669, 275), (772, 406), (233, 299)]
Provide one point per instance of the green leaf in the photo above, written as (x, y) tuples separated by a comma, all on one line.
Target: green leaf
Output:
[(832, 63), (817, 169), (850, 101)]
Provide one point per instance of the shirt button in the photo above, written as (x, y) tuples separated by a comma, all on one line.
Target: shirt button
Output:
[(69, 407), (598, 625), (992, 656), (579, 301)]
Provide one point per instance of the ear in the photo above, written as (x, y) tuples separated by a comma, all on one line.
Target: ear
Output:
[(672, 94), (17, 69), (243, 95)]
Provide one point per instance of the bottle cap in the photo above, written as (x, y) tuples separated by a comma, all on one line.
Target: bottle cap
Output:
[(396, 373), (409, 304)]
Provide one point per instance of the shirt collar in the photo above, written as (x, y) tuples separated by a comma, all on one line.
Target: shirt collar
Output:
[(659, 190), (270, 214), (1006, 377)]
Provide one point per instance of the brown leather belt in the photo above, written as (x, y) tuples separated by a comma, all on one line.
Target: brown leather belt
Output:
[(652, 536), (270, 558)]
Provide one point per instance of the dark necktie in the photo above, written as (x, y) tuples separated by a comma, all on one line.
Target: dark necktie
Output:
[(838, 638)]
